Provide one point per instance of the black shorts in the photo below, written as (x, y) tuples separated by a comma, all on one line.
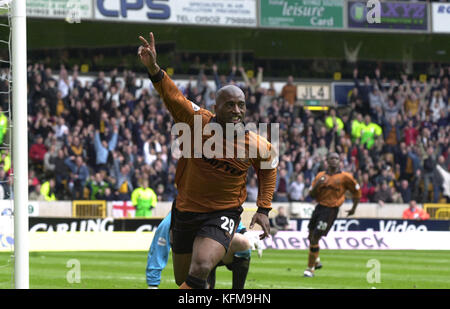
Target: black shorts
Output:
[(322, 220), (218, 225)]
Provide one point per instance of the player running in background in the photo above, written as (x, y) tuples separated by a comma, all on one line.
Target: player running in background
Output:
[(237, 258), (328, 189), (211, 191)]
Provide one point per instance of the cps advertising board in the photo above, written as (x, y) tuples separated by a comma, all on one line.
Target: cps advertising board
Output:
[(230, 13)]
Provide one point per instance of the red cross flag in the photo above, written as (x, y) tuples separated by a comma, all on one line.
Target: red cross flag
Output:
[(123, 209)]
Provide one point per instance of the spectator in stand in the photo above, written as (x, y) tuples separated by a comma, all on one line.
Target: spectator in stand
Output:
[(367, 189), (78, 176), (376, 99), (436, 105), (37, 152), (97, 186), (413, 212), (48, 190), (332, 121), (363, 91), (123, 175), (392, 134), (60, 128), (382, 194), (160, 193), (49, 166), (356, 127), (405, 191), (369, 132), (108, 195), (100, 82), (289, 91), (35, 194), (33, 181), (412, 104), (75, 146), (3, 126), (392, 109), (396, 196), (281, 221), (253, 83), (296, 189), (144, 199), (223, 80), (281, 192), (252, 190), (410, 133), (158, 175), (417, 186), (429, 165), (103, 148)]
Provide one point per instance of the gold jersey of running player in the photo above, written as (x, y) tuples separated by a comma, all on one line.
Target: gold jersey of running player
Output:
[(206, 183), (332, 191)]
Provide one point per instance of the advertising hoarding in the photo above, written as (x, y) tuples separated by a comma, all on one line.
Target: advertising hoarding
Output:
[(232, 13), (440, 17), (302, 13), (60, 9), (393, 15)]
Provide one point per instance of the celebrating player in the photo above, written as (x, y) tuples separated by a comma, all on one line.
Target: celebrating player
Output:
[(211, 191), (328, 189)]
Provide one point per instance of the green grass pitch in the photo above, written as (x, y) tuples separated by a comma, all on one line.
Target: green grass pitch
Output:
[(277, 269)]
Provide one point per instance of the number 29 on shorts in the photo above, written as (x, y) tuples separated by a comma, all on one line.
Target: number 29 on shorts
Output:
[(228, 224)]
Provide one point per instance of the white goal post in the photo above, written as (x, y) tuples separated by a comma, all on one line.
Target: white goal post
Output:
[(20, 142)]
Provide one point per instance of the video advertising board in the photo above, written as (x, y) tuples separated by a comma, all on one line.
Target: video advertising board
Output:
[(405, 16)]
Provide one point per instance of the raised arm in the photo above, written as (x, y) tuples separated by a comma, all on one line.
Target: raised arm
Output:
[(182, 109)]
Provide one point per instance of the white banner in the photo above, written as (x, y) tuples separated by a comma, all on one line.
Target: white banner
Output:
[(7, 222), (361, 240), (6, 225), (88, 241), (238, 13), (441, 17), (140, 241), (7, 208), (60, 9)]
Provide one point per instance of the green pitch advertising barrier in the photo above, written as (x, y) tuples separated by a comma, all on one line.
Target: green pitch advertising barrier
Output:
[(302, 14)]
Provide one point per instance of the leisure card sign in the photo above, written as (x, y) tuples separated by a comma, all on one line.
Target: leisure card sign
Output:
[(302, 13), (232, 13), (393, 15), (441, 17)]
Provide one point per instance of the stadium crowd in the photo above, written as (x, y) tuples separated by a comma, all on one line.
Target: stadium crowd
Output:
[(99, 140)]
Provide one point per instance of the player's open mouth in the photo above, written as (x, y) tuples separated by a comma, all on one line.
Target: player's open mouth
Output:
[(235, 119)]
